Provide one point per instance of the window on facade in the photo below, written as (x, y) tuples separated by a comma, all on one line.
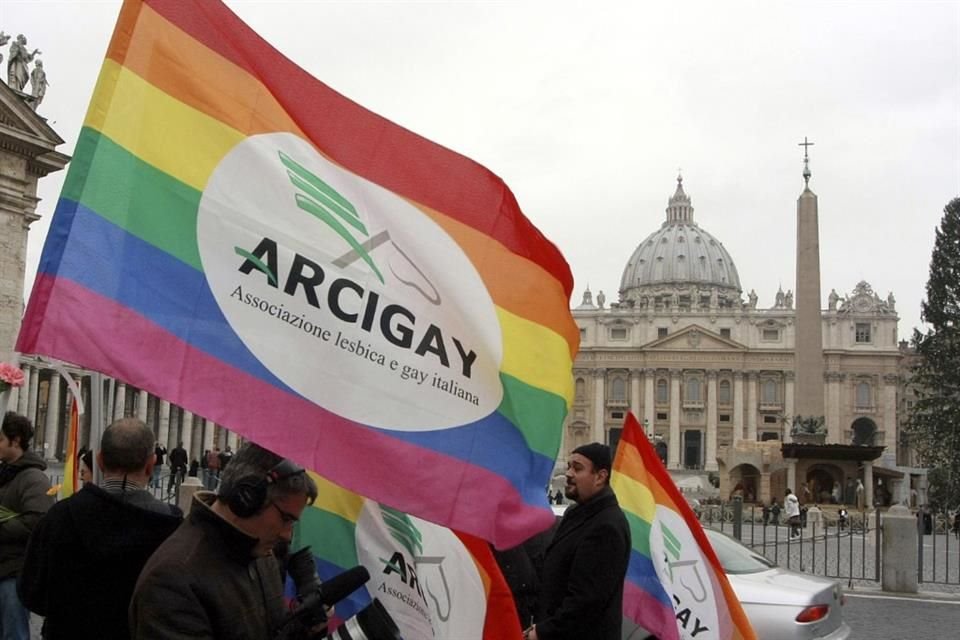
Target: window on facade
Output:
[(692, 390), (616, 415), (662, 332), (771, 335), (583, 334), (724, 417), (769, 419), (618, 333), (863, 332), (863, 395), (769, 392), (723, 392), (662, 416), (618, 390), (663, 393), (725, 333), (581, 389)]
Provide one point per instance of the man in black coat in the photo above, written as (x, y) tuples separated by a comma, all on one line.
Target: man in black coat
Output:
[(581, 588), (84, 557)]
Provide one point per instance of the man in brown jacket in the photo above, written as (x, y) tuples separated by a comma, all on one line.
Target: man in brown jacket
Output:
[(216, 576), (23, 500)]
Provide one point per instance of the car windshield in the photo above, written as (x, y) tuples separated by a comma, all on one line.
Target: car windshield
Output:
[(734, 557)]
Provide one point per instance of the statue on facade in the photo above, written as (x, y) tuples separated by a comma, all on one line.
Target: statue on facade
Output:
[(38, 84), (752, 299), (694, 299), (714, 298), (4, 39), (891, 302), (601, 299), (779, 299), (17, 74), (674, 301), (788, 300), (832, 300), (587, 298)]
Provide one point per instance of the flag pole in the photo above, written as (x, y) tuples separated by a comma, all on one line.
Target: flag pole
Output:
[(96, 419)]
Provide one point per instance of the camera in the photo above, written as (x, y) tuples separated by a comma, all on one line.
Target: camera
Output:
[(313, 596)]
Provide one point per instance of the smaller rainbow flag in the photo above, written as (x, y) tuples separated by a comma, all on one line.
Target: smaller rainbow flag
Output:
[(675, 587), (71, 480), (434, 582)]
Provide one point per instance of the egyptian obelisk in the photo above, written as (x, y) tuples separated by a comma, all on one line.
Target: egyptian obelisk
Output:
[(809, 344)]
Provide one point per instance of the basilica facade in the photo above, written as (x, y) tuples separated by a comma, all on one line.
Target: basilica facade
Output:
[(711, 375)]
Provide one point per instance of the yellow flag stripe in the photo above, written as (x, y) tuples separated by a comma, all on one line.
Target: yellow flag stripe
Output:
[(536, 355)]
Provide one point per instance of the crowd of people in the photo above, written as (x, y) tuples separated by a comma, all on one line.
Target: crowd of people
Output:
[(112, 561)]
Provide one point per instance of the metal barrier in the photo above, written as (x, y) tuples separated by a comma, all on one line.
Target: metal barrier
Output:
[(938, 549), (848, 550)]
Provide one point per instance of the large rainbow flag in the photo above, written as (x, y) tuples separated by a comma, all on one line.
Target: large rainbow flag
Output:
[(675, 587), (238, 238), (435, 583)]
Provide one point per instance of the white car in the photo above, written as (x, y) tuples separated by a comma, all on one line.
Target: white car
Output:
[(781, 604)]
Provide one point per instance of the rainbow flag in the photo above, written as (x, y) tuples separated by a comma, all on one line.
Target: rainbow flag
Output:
[(675, 587), (238, 238), (434, 582)]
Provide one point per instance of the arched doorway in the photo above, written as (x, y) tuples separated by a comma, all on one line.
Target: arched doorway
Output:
[(825, 483), (864, 432), (745, 478)]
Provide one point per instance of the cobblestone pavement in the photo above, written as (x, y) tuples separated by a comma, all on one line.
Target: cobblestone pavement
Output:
[(880, 616)]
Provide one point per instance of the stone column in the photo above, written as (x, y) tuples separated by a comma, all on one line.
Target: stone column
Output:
[(208, 428), (834, 428), (175, 430), (899, 555), (788, 405), (710, 464), (673, 450), (752, 406), (163, 426), (737, 406), (196, 440), (186, 434), (868, 485), (599, 406), (635, 375), (792, 475), (23, 398), (649, 404), (232, 440), (890, 416), (32, 400), (120, 404), (142, 405), (52, 420)]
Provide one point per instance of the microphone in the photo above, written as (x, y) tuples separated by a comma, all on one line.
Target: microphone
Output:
[(339, 587), (329, 593)]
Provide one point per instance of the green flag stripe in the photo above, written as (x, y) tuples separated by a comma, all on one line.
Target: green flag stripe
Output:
[(538, 414), (639, 533), (329, 536), (148, 203)]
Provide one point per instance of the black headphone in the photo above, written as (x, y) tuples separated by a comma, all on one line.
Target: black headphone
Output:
[(250, 495)]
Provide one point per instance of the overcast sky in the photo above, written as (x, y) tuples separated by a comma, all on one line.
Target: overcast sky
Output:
[(587, 110)]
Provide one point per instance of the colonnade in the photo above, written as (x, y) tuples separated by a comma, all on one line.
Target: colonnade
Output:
[(45, 399)]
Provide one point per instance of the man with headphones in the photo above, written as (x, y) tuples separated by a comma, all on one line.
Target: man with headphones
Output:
[(216, 576)]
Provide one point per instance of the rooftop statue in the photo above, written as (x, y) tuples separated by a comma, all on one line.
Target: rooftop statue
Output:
[(17, 74), (38, 84)]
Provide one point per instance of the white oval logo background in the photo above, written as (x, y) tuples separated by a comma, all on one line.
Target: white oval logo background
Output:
[(352, 372), (688, 578)]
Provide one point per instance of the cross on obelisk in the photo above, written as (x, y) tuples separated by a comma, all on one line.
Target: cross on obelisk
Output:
[(806, 159)]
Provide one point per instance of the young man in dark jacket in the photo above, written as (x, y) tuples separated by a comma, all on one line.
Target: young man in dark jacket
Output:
[(581, 588), (85, 555), (24, 500)]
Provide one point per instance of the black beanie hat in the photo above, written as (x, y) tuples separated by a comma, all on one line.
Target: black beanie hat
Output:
[(598, 454)]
